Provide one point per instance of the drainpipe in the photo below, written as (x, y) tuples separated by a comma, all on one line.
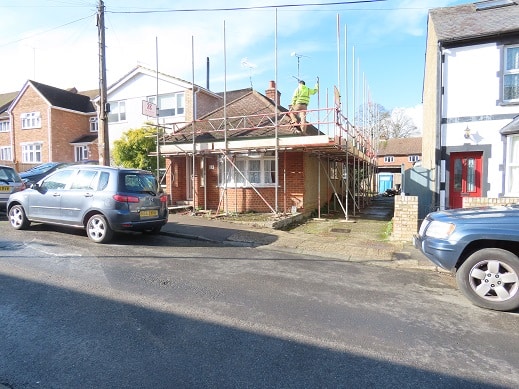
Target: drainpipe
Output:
[(439, 153)]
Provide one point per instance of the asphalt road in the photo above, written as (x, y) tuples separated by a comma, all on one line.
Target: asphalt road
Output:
[(161, 312)]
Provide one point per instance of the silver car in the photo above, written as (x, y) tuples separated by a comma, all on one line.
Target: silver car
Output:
[(99, 199), (10, 182)]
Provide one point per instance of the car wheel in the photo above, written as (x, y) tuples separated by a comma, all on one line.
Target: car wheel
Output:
[(489, 278), (98, 229), (17, 218)]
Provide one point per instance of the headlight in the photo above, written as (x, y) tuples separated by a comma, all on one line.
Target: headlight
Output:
[(440, 230)]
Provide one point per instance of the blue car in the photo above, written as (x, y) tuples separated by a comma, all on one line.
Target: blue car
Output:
[(36, 173), (481, 246)]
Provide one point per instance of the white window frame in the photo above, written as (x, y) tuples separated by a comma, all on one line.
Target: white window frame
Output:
[(389, 159), (170, 104), (94, 125), (117, 111), (31, 152), (30, 120), (5, 126), (6, 153), (512, 166), (81, 152), (413, 158), (255, 168), (510, 71)]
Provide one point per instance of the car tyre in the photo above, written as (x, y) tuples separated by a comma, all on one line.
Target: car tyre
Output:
[(98, 229), (17, 218), (489, 278)]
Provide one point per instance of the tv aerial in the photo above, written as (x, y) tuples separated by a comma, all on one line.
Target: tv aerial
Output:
[(298, 56), (246, 64)]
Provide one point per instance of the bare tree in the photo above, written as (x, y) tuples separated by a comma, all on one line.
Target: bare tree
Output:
[(398, 125)]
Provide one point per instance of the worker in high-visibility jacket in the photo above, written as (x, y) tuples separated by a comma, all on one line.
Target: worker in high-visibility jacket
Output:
[(300, 101)]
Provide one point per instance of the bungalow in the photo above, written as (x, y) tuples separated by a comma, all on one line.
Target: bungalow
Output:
[(247, 157)]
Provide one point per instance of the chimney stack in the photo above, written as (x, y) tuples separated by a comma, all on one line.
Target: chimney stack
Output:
[(272, 93)]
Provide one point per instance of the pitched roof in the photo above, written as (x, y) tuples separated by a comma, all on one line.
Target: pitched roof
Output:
[(400, 146), (249, 116), (6, 99), (465, 21), (234, 94), (64, 99), (153, 73)]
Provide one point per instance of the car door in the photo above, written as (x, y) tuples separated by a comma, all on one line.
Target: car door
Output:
[(77, 200), (45, 199)]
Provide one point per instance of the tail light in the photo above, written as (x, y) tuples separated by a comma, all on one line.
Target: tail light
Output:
[(164, 199), (125, 199)]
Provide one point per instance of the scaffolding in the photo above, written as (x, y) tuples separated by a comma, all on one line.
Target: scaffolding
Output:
[(344, 153)]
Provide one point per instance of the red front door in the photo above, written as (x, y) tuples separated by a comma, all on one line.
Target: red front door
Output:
[(465, 177)]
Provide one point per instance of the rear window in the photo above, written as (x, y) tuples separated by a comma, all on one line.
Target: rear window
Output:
[(138, 182)]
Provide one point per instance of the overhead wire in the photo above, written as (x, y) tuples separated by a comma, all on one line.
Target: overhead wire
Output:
[(246, 8)]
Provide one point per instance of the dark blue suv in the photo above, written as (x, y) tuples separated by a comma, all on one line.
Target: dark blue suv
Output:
[(481, 245)]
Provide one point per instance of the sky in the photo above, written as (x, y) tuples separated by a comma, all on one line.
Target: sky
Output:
[(369, 49)]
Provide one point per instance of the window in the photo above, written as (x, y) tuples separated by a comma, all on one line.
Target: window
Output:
[(31, 153), (413, 158), (85, 180), (512, 168), (511, 74), (6, 153), (172, 104), (80, 153), (5, 126), (117, 111), (94, 126), (257, 170), (31, 120), (389, 159), (57, 180)]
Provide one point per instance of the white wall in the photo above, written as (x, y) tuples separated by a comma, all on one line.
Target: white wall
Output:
[(471, 79), (134, 92)]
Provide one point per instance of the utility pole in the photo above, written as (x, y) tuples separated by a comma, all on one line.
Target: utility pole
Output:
[(104, 108)]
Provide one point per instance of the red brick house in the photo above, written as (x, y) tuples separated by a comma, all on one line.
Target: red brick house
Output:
[(246, 157), (49, 124), (394, 156)]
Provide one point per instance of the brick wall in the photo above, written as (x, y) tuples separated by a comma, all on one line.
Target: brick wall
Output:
[(58, 128), (30, 102), (405, 219), (299, 169), (205, 103), (472, 202), (66, 126)]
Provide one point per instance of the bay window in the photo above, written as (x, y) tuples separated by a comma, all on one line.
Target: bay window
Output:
[(512, 166)]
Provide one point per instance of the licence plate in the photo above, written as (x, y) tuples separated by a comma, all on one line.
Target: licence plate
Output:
[(4, 189), (149, 213)]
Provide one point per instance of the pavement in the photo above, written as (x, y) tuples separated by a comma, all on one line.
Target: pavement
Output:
[(362, 237)]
